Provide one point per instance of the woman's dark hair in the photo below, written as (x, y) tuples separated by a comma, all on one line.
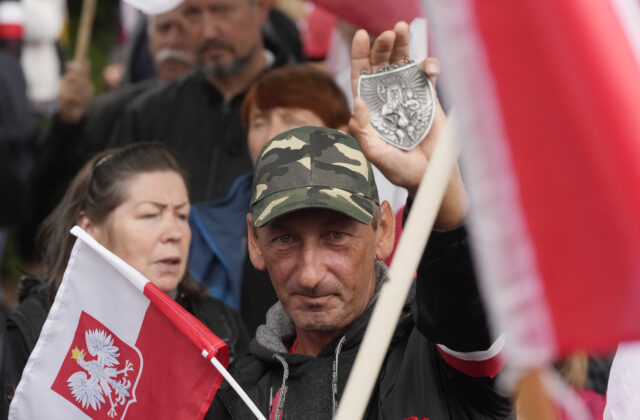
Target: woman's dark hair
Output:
[(96, 190), (299, 86)]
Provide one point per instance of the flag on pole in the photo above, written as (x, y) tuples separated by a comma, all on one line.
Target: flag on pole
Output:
[(114, 346), (11, 20), (548, 99)]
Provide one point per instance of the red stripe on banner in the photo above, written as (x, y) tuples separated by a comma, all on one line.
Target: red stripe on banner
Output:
[(169, 355), (11, 31), (567, 85), (476, 368), (190, 326)]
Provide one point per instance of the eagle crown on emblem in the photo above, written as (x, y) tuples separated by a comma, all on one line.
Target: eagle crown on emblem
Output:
[(103, 377)]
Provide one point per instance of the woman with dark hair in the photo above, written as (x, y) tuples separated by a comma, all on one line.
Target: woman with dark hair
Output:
[(133, 201)]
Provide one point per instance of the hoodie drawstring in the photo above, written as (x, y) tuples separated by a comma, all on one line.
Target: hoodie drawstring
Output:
[(334, 379), (283, 388)]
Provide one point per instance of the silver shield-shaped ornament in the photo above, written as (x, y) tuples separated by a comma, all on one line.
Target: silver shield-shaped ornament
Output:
[(401, 103)]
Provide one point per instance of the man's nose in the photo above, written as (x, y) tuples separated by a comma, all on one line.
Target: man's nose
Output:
[(211, 26), (177, 36), (312, 267)]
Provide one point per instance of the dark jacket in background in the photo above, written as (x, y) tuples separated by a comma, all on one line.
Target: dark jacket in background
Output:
[(18, 128), (7, 369), (194, 119)]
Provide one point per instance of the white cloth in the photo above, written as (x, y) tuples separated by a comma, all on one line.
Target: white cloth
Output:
[(154, 7), (43, 22), (623, 390)]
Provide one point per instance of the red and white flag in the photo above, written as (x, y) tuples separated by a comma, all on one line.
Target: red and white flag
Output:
[(11, 20), (114, 346), (548, 95)]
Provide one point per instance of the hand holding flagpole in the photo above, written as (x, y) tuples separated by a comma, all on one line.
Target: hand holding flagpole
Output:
[(84, 30), (394, 293)]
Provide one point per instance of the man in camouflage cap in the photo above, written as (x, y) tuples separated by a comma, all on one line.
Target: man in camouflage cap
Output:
[(315, 182), (317, 226)]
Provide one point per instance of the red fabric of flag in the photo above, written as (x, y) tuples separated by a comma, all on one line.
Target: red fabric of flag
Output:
[(548, 97), (376, 17)]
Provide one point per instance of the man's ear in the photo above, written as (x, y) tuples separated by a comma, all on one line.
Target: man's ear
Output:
[(255, 252), (386, 232)]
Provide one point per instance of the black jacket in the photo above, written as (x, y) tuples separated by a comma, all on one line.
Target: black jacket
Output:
[(192, 117), (18, 128), (414, 381)]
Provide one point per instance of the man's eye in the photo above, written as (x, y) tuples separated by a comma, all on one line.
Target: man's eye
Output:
[(337, 235), (192, 12), (284, 239), (222, 9)]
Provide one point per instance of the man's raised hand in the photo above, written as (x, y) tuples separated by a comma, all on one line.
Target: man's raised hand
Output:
[(402, 167)]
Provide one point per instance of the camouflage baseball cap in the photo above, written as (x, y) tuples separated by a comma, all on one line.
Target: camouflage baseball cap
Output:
[(313, 167)]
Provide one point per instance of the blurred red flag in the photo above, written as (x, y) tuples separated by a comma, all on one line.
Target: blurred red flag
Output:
[(549, 98), (377, 16)]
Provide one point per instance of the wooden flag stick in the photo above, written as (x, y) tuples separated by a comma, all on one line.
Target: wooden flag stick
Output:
[(405, 262), (533, 401), (85, 28), (243, 395)]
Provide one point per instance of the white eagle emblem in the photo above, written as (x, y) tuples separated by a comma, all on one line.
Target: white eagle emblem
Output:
[(103, 377)]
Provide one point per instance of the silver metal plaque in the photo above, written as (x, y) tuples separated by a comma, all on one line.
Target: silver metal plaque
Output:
[(401, 103)]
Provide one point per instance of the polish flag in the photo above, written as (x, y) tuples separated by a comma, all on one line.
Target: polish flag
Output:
[(11, 20), (114, 346), (548, 98)]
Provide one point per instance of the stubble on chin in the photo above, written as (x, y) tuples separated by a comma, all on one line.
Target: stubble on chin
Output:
[(217, 70)]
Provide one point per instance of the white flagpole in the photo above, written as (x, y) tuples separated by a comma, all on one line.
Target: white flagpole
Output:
[(235, 386), (405, 261)]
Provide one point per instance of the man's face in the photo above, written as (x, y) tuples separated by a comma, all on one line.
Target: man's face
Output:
[(264, 125), (322, 265), (229, 33), (173, 46)]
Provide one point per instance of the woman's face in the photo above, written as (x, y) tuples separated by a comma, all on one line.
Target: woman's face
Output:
[(150, 229)]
